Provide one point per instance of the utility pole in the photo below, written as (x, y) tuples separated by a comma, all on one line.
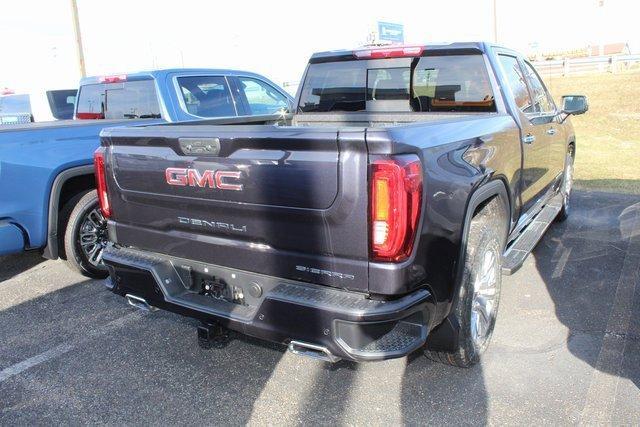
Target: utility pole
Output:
[(495, 21), (76, 28)]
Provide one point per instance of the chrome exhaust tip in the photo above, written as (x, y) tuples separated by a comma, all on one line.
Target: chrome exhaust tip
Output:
[(139, 302), (312, 350)]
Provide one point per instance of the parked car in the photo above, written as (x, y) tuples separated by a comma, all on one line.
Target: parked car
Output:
[(37, 107), (377, 221), (47, 196)]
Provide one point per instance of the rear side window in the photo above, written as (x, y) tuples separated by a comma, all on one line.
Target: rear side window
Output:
[(517, 83), (62, 103), (452, 83), (206, 96), (125, 100)]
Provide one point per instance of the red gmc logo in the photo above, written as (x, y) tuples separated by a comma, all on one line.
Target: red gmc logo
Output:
[(208, 178)]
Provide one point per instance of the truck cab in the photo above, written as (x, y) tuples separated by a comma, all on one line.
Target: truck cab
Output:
[(179, 95)]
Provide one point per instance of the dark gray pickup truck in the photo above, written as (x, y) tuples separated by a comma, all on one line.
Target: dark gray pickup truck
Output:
[(373, 221)]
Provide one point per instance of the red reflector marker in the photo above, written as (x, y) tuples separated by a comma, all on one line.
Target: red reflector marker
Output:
[(389, 52), (395, 202), (101, 182)]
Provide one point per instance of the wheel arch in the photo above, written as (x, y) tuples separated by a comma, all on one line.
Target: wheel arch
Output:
[(478, 199), (444, 337), (67, 184)]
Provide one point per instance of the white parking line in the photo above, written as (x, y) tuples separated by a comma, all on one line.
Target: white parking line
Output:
[(63, 348), (601, 397), (19, 367)]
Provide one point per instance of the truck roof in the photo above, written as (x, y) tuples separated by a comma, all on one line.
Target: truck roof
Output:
[(161, 73), (346, 54)]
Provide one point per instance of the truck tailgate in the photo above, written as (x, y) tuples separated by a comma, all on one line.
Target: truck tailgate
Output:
[(286, 202)]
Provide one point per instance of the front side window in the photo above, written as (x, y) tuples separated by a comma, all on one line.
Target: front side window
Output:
[(261, 97), (542, 102), (517, 83), (206, 96)]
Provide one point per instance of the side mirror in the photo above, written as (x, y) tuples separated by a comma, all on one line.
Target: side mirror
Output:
[(574, 104)]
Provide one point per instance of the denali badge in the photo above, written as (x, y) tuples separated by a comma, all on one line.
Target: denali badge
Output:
[(208, 178), (324, 272), (213, 224)]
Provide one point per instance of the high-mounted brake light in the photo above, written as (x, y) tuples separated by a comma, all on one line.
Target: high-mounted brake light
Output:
[(101, 182), (113, 79), (389, 52), (89, 116), (395, 201)]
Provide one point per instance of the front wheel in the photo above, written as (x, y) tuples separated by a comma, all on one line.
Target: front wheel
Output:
[(86, 237), (476, 306)]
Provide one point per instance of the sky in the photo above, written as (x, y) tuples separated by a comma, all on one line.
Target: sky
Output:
[(275, 38)]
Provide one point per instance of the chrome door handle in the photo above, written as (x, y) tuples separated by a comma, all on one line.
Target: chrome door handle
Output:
[(529, 139), (551, 131)]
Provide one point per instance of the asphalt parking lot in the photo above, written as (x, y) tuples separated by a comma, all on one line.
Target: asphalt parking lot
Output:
[(566, 350)]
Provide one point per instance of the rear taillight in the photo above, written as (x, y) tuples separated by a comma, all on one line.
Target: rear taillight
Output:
[(395, 201), (101, 182)]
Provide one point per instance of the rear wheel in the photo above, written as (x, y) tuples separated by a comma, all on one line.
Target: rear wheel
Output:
[(567, 185), (476, 306), (86, 237)]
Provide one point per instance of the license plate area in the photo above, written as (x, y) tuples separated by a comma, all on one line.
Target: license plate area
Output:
[(217, 288)]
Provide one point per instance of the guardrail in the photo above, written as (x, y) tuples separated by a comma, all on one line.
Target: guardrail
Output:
[(590, 64)]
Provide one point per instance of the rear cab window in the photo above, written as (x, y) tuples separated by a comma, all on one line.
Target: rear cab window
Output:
[(130, 99), (446, 83)]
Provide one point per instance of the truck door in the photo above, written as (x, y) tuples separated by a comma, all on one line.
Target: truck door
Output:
[(534, 177), (546, 121)]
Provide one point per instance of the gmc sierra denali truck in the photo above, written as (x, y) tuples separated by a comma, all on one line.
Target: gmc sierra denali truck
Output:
[(373, 221)]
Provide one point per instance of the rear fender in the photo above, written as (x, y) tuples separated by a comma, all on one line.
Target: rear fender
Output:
[(445, 336)]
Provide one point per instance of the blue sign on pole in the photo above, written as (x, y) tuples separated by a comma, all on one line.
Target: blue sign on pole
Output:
[(391, 32)]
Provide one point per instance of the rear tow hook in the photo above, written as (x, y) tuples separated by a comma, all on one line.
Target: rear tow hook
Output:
[(213, 335)]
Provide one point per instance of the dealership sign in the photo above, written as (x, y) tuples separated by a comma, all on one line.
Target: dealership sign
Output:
[(391, 32)]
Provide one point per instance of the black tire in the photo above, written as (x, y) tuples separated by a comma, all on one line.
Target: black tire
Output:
[(567, 185), (487, 235), (84, 218)]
